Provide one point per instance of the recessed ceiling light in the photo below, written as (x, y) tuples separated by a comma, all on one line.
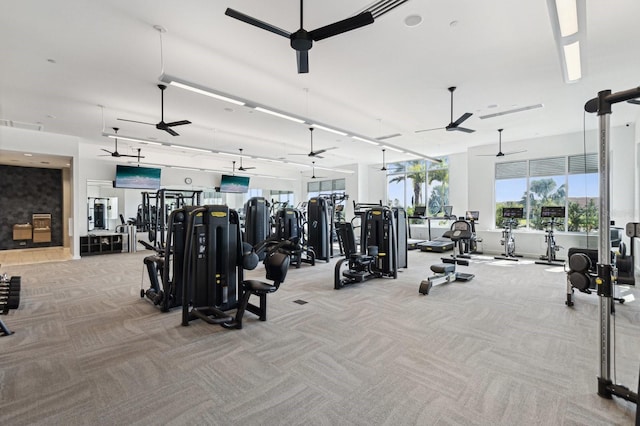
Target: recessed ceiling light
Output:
[(51, 116), (492, 106), (413, 20), (228, 109), (52, 61), (453, 23)]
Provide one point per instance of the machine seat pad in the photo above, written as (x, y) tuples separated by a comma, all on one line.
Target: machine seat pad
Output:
[(258, 286), (361, 258), (443, 268)]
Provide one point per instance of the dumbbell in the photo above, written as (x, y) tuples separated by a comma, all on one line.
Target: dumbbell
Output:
[(9, 301)]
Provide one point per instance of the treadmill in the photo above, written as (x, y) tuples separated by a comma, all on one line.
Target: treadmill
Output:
[(439, 244), (419, 212)]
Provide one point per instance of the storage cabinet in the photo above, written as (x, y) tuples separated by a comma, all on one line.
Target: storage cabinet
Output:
[(101, 244), (41, 228)]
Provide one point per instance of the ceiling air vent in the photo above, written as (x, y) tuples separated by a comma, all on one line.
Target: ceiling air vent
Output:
[(21, 125)]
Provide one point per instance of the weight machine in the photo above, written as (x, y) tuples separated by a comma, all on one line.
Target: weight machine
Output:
[(602, 106), (380, 259), (552, 213), (289, 225), (157, 207), (256, 222), (510, 216)]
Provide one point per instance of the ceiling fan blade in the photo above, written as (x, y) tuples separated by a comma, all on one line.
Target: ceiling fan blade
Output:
[(320, 151), (178, 123), (460, 120), (315, 154), (170, 131), (462, 129), (302, 58), (514, 152), (256, 22), (343, 26), (134, 121), (242, 169), (132, 156), (429, 130), (634, 101), (106, 150)]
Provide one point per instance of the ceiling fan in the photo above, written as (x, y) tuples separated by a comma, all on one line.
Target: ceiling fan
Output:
[(634, 101), (241, 168), (317, 153), (313, 171), (115, 153), (453, 125), (167, 127), (302, 40), (500, 153), (384, 163)]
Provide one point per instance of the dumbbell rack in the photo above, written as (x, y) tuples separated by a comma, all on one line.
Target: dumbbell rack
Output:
[(9, 299)]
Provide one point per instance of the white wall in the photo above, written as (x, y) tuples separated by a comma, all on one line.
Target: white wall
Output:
[(481, 188)]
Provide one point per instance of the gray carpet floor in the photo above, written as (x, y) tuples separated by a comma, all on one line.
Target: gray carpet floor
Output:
[(502, 349)]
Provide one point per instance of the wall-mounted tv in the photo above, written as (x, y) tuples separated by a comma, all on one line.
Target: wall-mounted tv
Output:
[(234, 184), (137, 177)]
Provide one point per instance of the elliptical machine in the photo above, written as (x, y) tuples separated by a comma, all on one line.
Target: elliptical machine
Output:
[(510, 216), (552, 213)]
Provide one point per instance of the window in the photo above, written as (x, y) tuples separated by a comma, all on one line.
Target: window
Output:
[(325, 187), (570, 182), (418, 183)]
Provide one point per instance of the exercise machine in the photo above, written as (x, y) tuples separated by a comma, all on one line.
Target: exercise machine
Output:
[(157, 207), (510, 216), (165, 268), (256, 222), (379, 237), (320, 227), (445, 272), (602, 106), (213, 274), (439, 244), (9, 299), (551, 213), (289, 225), (401, 237), (472, 216), (419, 213)]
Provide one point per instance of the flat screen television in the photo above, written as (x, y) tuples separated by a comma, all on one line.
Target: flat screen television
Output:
[(472, 215), (552, 211), (137, 177), (513, 212), (234, 184)]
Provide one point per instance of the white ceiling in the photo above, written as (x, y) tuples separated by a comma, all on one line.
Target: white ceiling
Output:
[(381, 79)]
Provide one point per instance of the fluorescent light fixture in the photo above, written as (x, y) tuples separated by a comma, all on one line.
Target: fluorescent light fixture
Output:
[(568, 22), (130, 138), (185, 168), (572, 61), (279, 114), (188, 148), (567, 17), (228, 154), (174, 81), (358, 138), (392, 148), (411, 154), (329, 129)]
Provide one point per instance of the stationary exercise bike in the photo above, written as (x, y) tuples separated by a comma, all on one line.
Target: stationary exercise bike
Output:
[(552, 213), (510, 216)]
